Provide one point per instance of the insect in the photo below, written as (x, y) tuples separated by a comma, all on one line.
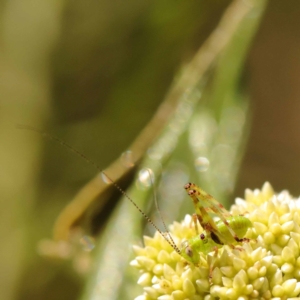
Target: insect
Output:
[(227, 231)]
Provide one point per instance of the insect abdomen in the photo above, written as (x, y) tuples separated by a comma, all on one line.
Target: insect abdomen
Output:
[(239, 224)]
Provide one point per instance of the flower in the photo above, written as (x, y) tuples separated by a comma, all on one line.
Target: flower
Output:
[(266, 267)]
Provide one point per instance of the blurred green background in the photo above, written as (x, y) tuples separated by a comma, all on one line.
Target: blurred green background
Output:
[(93, 73)]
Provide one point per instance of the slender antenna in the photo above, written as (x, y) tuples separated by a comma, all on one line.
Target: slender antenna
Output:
[(93, 164), (158, 209)]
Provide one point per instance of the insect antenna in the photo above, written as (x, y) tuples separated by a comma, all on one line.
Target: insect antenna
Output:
[(168, 234), (95, 166)]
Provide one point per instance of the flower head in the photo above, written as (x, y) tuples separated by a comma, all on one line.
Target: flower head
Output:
[(268, 266)]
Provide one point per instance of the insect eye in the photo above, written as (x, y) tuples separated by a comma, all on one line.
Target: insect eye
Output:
[(202, 236), (189, 251)]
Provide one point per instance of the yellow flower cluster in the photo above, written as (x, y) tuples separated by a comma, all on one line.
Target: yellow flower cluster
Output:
[(268, 267)]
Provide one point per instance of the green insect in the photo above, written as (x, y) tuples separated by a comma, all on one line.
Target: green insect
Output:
[(229, 230)]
